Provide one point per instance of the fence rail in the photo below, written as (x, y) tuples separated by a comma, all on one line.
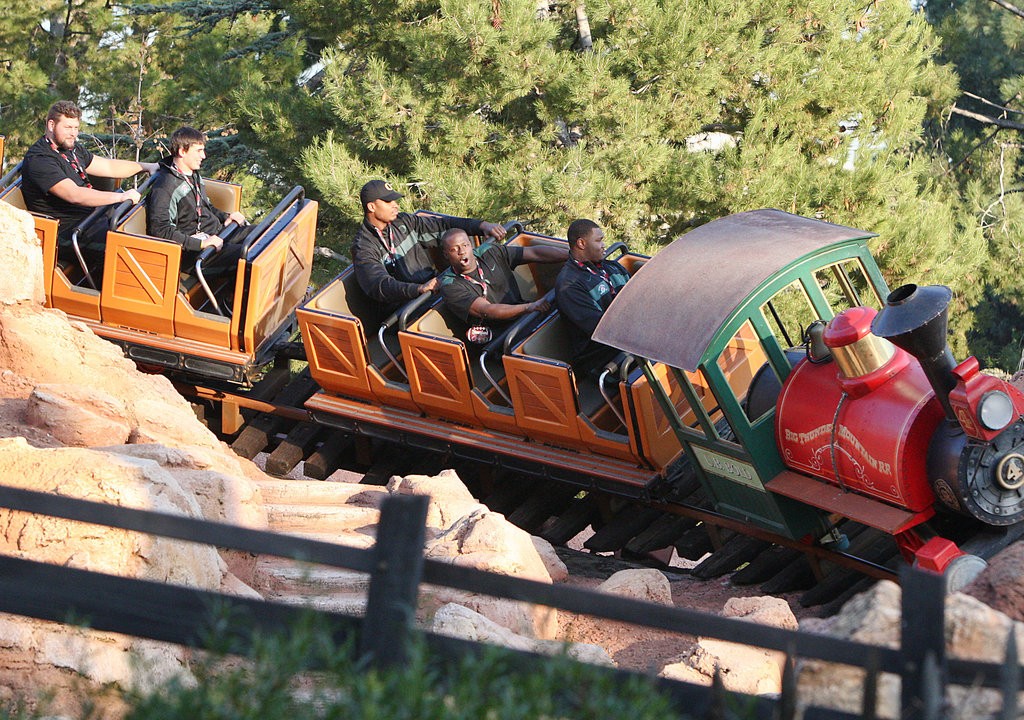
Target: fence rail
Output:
[(396, 566)]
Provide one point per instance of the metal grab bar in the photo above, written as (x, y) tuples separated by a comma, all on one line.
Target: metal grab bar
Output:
[(517, 225), (387, 351), (89, 220), (608, 370), (490, 379), (296, 194), (512, 333), (9, 177), (401, 318), (126, 205), (205, 255), (505, 341), (619, 247)]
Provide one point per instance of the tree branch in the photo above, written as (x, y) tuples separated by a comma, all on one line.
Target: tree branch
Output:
[(1012, 8), (998, 122), (986, 101)]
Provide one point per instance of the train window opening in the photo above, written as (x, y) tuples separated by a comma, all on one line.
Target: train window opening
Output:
[(788, 314), (744, 365), (845, 285), (704, 419)]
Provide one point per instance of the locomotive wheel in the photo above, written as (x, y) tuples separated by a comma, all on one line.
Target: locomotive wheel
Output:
[(991, 479)]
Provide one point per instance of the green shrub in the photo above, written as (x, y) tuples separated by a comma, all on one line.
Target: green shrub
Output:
[(276, 682)]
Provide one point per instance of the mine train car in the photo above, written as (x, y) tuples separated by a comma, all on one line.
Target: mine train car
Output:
[(763, 356), (871, 420), (168, 316)]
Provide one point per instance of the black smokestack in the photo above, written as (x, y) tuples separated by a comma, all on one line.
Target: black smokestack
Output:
[(915, 318)]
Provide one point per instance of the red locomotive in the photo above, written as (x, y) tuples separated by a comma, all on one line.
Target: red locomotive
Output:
[(894, 418)]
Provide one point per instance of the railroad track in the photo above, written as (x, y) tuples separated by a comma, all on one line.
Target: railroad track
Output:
[(270, 418)]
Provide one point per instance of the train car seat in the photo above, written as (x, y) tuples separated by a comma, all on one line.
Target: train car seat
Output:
[(451, 380), (346, 352)]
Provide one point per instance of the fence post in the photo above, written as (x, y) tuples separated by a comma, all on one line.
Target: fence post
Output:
[(922, 633), (395, 580)]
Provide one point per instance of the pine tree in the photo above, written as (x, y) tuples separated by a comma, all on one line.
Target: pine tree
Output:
[(981, 141), (483, 108)]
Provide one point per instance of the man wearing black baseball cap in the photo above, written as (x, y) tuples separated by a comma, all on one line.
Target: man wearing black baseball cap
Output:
[(390, 249)]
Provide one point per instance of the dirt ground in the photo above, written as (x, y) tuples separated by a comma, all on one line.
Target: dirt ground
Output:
[(642, 649)]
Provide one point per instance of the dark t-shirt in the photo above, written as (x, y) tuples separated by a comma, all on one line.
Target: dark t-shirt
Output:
[(43, 168), (583, 291), (494, 280)]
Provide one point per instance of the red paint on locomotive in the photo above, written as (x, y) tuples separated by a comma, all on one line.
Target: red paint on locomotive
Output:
[(868, 432)]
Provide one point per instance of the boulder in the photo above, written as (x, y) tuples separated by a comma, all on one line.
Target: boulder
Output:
[(114, 480), (450, 500), (745, 669), (77, 415), (973, 631), (44, 349), (461, 622), (20, 249), (486, 541), (1001, 584), (557, 570), (644, 584)]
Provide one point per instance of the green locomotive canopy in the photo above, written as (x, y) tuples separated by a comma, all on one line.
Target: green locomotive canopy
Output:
[(674, 306)]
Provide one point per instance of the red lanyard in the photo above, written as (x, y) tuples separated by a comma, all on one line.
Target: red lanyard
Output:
[(199, 199), (599, 272), (72, 161), (482, 282), (389, 246)]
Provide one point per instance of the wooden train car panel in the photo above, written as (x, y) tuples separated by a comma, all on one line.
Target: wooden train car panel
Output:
[(655, 438), (339, 329), (337, 345), (140, 280), (439, 367), (279, 267)]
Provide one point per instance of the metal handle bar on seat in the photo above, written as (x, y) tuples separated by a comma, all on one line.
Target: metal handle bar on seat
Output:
[(126, 205), (9, 177), (505, 341), (622, 364), (296, 194), (619, 247), (89, 220), (401, 318), (205, 255)]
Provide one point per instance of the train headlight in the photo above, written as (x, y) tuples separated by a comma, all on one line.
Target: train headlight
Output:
[(995, 411)]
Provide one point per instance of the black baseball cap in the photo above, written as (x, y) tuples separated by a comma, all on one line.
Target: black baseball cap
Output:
[(378, 190)]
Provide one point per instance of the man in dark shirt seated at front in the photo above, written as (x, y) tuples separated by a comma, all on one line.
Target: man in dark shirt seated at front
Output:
[(584, 289), (390, 251), (55, 180), (480, 287)]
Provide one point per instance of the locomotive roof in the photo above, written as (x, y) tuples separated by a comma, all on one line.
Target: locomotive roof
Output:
[(672, 309)]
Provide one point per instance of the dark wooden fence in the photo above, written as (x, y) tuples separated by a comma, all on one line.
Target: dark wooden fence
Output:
[(396, 567)]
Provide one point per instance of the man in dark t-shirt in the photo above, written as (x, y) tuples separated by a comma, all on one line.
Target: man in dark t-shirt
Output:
[(584, 289), (480, 287), (55, 177)]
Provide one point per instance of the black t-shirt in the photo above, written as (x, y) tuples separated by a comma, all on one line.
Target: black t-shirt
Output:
[(494, 280), (43, 168)]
